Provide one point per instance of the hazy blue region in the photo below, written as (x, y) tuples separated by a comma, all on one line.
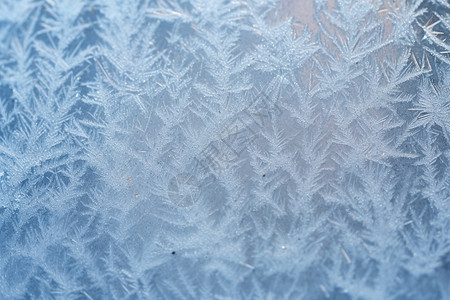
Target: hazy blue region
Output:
[(222, 149)]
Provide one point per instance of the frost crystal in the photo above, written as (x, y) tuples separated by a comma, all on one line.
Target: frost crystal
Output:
[(203, 149)]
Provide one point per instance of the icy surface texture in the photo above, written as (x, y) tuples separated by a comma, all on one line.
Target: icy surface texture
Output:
[(195, 149)]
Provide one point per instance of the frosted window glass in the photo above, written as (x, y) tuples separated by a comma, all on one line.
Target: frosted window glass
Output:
[(222, 149)]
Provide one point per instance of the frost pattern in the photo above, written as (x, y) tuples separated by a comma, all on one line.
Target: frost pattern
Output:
[(224, 149)]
